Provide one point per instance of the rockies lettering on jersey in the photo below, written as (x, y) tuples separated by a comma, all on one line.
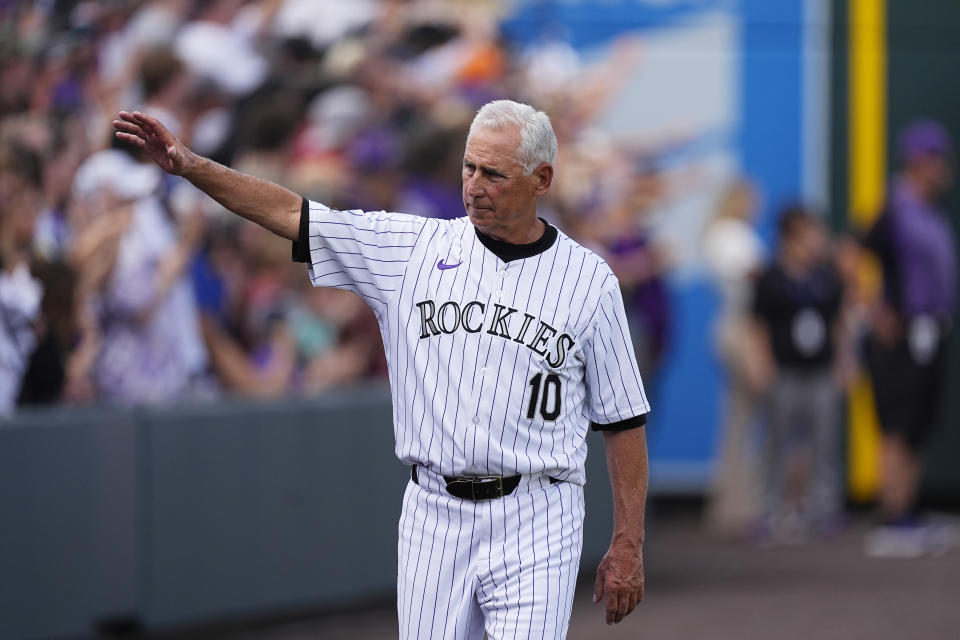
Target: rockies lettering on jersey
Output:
[(447, 324), (496, 367)]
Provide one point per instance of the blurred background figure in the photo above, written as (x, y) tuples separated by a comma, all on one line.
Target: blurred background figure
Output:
[(143, 259), (640, 262), (908, 330), (624, 234), (796, 329), (21, 179), (240, 279), (215, 45), (67, 341), (734, 256)]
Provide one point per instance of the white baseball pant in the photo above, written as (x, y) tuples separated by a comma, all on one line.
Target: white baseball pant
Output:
[(507, 566)]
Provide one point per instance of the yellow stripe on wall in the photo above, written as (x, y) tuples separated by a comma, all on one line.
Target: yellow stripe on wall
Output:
[(868, 108), (867, 126)]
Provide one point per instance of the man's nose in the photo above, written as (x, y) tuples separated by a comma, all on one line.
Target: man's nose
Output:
[(474, 186)]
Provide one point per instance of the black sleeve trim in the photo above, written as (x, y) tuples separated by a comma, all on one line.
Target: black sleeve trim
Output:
[(623, 425), (301, 246)]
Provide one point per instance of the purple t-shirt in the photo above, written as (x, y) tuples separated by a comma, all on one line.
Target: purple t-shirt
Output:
[(922, 240)]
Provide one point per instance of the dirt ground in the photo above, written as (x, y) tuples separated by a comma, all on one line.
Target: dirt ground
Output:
[(702, 587)]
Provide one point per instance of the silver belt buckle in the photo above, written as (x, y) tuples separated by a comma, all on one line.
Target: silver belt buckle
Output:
[(472, 481), (498, 480)]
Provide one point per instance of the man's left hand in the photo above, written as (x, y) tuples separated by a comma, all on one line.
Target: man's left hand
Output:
[(620, 580)]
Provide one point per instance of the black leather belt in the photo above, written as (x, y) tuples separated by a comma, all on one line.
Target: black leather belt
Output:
[(479, 487)]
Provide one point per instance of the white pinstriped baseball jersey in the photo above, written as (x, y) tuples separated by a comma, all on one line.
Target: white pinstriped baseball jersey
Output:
[(496, 367)]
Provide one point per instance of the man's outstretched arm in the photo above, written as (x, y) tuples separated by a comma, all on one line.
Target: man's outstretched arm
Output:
[(620, 575), (271, 206)]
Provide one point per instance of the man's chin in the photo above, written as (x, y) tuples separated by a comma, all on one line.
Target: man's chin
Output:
[(480, 218)]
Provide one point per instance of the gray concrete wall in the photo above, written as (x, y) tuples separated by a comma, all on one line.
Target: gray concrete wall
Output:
[(193, 514), (68, 526)]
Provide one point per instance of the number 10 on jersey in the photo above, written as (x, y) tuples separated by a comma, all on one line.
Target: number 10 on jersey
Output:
[(548, 395)]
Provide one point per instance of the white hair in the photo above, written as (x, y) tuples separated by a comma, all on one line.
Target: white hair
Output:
[(538, 142)]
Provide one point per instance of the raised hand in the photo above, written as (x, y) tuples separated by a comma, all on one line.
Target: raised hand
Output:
[(149, 134), (269, 205)]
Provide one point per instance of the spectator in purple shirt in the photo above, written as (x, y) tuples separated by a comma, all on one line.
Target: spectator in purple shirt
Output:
[(906, 346)]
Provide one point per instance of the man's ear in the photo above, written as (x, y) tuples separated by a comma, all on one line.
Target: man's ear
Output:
[(544, 177)]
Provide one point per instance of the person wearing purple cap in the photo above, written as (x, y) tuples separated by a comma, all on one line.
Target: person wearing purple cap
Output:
[(906, 343)]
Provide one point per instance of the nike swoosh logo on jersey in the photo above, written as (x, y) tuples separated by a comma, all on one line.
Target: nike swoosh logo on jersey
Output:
[(442, 265)]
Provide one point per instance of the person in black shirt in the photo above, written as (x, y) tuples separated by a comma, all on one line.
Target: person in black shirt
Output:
[(796, 307)]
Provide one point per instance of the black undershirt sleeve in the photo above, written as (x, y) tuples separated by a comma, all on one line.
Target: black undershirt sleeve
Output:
[(623, 425), (301, 246)]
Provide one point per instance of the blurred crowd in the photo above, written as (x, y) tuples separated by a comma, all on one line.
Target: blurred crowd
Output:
[(120, 284), (786, 337), (800, 326)]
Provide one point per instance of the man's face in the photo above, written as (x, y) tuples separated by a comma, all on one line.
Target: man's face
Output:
[(941, 170), (808, 242), (496, 193)]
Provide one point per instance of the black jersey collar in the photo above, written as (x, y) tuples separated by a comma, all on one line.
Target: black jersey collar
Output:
[(509, 252)]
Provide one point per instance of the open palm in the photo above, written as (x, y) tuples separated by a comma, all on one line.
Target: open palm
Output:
[(149, 134)]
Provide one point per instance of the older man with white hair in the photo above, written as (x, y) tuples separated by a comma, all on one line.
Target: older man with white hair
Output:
[(506, 342)]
